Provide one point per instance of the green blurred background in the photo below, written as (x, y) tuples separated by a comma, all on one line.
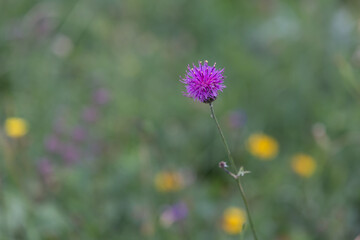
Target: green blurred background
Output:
[(97, 83)]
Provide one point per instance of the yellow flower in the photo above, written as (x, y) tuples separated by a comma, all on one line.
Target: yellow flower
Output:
[(15, 127), (262, 146), (168, 181), (233, 220), (304, 165)]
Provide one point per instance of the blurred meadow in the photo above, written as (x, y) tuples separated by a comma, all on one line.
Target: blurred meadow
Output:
[(98, 142)]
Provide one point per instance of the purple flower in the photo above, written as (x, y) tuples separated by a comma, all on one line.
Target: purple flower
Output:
[(70, 154), (45, 167), (46, 171), (202, 83), (78, 134), (53, 144), (174, 213), (236, 119), (101, 96), (90, 114)]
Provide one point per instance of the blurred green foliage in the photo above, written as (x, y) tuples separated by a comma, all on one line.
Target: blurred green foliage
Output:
[(292, 70)]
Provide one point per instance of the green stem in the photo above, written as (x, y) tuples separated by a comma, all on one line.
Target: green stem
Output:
[(236, 170)]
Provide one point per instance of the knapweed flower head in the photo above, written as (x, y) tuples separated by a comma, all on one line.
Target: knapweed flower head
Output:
[(262, 146), (168, 181), (303, 165), (233, 220), (203, 82), (16, 127)]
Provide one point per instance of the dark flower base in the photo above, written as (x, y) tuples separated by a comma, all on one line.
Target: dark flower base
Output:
[(209, 100)]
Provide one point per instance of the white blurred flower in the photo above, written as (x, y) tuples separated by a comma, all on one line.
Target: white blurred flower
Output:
[(62, 46)]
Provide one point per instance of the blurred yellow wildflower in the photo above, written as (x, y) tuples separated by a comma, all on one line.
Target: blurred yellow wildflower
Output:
[(15, 127), (168, 181), (304, 165), (233, 220), (262, 146)]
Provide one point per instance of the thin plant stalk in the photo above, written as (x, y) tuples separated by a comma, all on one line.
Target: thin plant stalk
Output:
[(236, 170), (8, 157)]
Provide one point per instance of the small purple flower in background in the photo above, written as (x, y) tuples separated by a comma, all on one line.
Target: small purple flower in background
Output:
[(53, 144), (203, 83), (173, 213), (46, 170), (101, 96), (90, 114), (70, 154), (72, 144), (236, 119), (79, 134)]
